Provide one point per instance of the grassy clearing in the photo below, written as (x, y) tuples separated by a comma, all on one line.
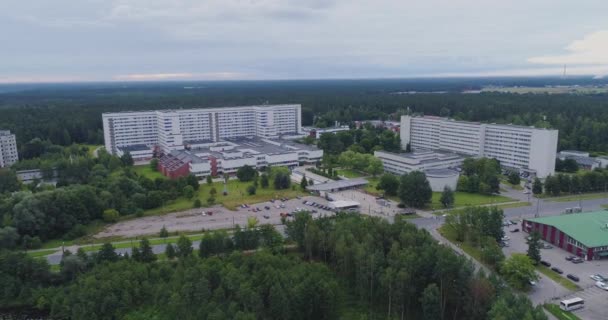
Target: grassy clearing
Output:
[(584, 196), (350, 173), (40, 253), (463, 199), (448, 233), (558, 278), (559, 313), (146, 171)]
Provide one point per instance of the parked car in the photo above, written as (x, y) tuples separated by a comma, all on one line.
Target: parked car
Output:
[(298, 197), (272, 200), (532, 282), (545, 263), (569, 258), (209, 213), (572, 277), (558, 270), (515, 230), (577, 260), (266, 216), (512, 222), (602, 285), (267, 207), (505, 238), (546, 246), (598, 277)]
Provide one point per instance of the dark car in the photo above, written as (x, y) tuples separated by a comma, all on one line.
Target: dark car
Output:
[(515, 230), (267, 207), (572, 277), (558, 270), (569, 258), (545, 263)]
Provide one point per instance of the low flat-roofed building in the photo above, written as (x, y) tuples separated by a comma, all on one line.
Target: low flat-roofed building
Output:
[(139, 152), (582, 158), (338, 185), (343, 204), (400, 163), (582, 234), (317, 132)]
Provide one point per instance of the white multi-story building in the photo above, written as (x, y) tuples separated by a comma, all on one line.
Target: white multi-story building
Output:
[(516, 147), (176, 129), (8, 149)]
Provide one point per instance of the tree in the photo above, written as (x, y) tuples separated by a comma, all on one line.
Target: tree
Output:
[(281, 178), (447, 197), (303, 182), (518, 270), (188, 192), (184, 247), (144, 253), (127, 159), (264, 180), (209, 180), (537, 186), (515, 306), (164, 232), (251, 190), (514, 178), (534, 247), (212, 191), (388, 183), (245, 173), (154, 164), (8, 181), (211, 200), (8, 238), (197, 203), (107, 253), (110, 215), (430, 301), (491, 253), (414, 189), (170, 251), (375, 166)]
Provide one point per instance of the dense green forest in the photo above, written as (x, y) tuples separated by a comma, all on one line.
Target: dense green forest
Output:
[(346, 267), (72, 113)]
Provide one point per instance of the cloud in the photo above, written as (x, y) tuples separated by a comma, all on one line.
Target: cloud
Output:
[(181, 76), (591, 50)]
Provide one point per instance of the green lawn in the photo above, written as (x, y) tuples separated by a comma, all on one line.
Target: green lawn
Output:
[(350, 173), (146, 171), (565, 282), (559, 313), (237, 195), (448, 233), (462, 199), (584, 196), (40, 253)]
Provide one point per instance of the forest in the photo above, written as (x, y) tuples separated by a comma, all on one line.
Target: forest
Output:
[(65, 114), (344, 267)]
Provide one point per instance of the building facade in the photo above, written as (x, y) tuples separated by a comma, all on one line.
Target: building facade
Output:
[(582, 234), (527, 149), (170, 130), (8, 149)]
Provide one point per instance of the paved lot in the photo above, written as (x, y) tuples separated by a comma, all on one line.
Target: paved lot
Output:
[(596, 300), (222, 218), (369, 204)]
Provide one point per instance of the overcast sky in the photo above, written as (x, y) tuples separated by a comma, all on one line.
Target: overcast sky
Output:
[(92, 40)]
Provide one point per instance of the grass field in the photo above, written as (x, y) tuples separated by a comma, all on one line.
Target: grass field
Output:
[(40, 253), (147, 172), (448, 233), (463, 199), (583, 196), (558, 278), (350, 173), (559, 313)]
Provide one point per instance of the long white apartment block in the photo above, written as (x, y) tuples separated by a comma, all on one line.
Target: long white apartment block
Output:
[(178, 128), (8, 149), (516, 147)]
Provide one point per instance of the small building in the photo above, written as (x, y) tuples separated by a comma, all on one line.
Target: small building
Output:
[(344, 205), (582, 158), (317, 132), (139, 152), (339, 185), (582, 234)]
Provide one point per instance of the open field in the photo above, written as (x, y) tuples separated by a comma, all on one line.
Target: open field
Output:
[(146, 171), (448, 233), (350, 173), (572, 89), (463, 199), (565, 282), (559, 313)]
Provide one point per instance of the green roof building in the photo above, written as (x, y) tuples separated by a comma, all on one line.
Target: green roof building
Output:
[(582, 234)]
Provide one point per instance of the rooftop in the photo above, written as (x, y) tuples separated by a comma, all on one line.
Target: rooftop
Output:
[(589, 228), (440, 173), (340, 184)]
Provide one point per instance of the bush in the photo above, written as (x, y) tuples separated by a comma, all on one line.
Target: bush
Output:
[(110, 215), (251, 190), (197, 203), (76, 232)]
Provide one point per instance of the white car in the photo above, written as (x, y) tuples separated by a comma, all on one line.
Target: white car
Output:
[(597, 277), (601, 285), (505, 238)]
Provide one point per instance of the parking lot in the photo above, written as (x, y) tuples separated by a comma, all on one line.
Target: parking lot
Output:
[(369, 205), (220, 218), (596, 299)]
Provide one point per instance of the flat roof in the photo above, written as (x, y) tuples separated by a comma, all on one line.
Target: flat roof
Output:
[(588, 228), (344, 204), (338, 184), (440, 173)]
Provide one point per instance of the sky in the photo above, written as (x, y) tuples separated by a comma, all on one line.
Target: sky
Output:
[(139, 40)]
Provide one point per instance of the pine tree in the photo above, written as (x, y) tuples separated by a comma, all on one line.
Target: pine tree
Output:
[(534, 247), (303, 183), (170, 251)]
